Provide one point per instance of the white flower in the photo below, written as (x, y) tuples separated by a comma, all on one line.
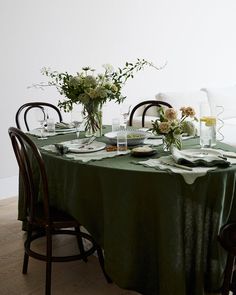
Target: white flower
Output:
[(108, 67)]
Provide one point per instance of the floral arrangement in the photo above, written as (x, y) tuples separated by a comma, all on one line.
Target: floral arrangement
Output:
[(171, 127), (91, 90)]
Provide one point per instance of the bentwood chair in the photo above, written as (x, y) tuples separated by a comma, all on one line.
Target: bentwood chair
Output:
[(47, 220), (227, 238), (145, 106), (23, 112)]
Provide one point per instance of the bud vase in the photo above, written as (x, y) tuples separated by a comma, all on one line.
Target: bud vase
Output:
[(170, 140)]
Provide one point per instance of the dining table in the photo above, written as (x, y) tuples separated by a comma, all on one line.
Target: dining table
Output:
[(158, 233)]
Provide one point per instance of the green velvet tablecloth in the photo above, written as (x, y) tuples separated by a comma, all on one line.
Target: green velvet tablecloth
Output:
[(159, 234)]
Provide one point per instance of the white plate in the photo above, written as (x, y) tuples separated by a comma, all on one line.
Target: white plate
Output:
[(201, 153), (65, 130), (93, 147)]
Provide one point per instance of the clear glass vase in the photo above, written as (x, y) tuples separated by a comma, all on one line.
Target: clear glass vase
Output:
[(170, 140), (93, 124)]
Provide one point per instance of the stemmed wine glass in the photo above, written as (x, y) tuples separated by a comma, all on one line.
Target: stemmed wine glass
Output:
[(41, 117), (125, 111), (77, 121)]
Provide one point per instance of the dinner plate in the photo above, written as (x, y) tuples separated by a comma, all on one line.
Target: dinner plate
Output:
[(201, 153), (81, 148), (65, 130)]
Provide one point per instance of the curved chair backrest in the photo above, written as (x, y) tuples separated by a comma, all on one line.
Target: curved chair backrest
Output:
[(25, 108), (27, 153), (148, 104)]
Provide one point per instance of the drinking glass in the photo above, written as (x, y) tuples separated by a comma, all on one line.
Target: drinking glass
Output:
[(50, 125), (77, 120), (207, 125), (41, 115), (115, 124), (124, 111), (121, 141)]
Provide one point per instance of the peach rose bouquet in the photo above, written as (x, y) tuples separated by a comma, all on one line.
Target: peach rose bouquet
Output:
[(172, 126)]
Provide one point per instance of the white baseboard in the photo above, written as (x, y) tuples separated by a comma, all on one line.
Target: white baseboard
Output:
[(8, 187)]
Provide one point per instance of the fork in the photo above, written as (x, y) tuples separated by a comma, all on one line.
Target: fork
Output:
[(91, 140)]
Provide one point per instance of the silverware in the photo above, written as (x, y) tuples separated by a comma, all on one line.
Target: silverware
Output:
[(87, 143), (177, 166), (229, 156)]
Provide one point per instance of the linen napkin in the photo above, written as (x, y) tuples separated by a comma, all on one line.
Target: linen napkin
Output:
[(37, 132), (63, 125), (168, 163), (205, 157)]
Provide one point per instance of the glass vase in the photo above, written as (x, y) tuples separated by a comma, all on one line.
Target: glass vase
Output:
[(93, 124), (98, 132), (170, 140)]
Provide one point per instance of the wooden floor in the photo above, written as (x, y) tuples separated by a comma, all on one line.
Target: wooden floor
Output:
[(70, 278)]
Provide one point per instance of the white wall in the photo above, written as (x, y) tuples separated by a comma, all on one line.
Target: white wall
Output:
[(196, 37)]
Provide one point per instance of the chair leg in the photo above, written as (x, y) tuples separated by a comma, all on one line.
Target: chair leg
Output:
[(25, 263), (48, 262), (80, 242), (228, 275), (26, 256), (101, 261)]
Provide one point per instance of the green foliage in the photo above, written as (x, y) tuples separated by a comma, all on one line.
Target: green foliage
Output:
[(92, 90)]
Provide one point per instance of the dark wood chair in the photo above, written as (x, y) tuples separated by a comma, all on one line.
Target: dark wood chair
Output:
[(23, 111), (148, 104), (46, 219), (227, 238)]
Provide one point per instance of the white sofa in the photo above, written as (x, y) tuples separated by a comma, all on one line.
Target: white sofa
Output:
[(222, 97)]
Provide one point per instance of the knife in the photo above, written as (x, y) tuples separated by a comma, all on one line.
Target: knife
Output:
[(177, 166), (229, 156)]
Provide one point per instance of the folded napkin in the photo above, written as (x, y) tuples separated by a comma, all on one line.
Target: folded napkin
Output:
[(63, 125), (204, 157), (176, 164)]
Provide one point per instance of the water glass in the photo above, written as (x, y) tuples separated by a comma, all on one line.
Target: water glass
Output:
[(77, 121), (121, 142), (207, 125), (125, 111), (41, 116), (115, 124), (50, 125)]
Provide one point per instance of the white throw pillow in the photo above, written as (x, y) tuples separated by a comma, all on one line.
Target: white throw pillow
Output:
[(225, 97), (184, 99)]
